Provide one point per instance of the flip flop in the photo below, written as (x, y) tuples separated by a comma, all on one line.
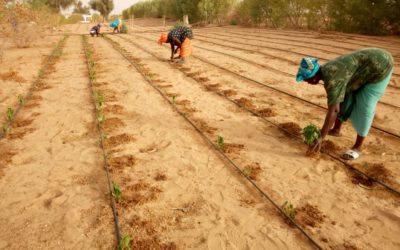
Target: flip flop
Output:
[(351, 154)]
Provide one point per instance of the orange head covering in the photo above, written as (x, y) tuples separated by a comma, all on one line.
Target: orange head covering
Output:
[(163, 39)]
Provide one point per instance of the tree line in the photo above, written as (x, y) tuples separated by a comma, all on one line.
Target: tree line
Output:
[(375, 17)]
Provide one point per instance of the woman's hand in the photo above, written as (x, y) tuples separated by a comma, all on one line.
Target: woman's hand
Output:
[(316, 147)]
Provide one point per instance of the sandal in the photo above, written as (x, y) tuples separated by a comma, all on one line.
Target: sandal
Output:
[(351, 154)]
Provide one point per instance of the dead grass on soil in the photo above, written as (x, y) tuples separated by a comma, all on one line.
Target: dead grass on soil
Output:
[(204, 126), (117, 140), (139, 194), (112, 124), (329, 146), (228, 92), (266, 112), (252, 171), (193, 74), (375, 170), (213, 87), (153, 244), (291, 128), (309, 215), (245, 103), (19, 134), (113, 109), (233, 148), (18, 123), (12, 75), (201, 79), (122, 162)]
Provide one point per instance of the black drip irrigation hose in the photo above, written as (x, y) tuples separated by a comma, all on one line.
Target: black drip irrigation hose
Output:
[(272, 56), (105, 158), (349, 166), (8, 124), (270, 87), (216, 147)]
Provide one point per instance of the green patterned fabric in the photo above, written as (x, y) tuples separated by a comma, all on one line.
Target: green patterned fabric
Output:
[(350, 72)]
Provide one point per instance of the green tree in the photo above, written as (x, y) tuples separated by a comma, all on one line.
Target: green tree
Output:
[(81, 9), (103, 6)]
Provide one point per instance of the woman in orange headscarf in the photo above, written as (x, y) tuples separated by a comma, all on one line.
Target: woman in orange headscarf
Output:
[(179, 38)]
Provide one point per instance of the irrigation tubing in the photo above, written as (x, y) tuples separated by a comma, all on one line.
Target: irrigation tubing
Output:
[(8, 124), (275, 89), (268, 67), (349, 166), (105, 165), (272, 56), (232, 163)]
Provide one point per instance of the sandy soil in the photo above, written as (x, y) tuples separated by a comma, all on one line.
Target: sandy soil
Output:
[(177, 191)]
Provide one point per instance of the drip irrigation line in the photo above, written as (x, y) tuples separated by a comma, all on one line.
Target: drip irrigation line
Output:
[(105, 158), (275, 89), (201, 133), (8, 124), (362, 42), (349, 166), (272, 56), (281, 72)]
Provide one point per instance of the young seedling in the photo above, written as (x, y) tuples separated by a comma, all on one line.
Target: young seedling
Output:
[(116, 193), (173, 99), (100, 117), (289, 210), (310, 134), (104, 136), (21, 99), (124, 244), (220, 142), (100, 100), (10, 113), (5, 129), (247, 171)]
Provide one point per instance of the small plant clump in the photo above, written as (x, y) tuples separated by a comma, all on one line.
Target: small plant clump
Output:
[(220, 142), (289, 210), (124, 244), (116, 192), (310, 134), (10, 113), (21, 99)]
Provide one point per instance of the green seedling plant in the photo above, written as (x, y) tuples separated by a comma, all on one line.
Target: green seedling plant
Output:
[(310, 134), (100, 100), (124, 244), (100, 117), (104, 136), (5, 129), (174, 99), (289, 210), (220, 142), (247, 171), (10, 113), (21, 99), (116, 192)]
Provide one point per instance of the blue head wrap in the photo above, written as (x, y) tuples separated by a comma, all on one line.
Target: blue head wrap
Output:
[(308, 68)]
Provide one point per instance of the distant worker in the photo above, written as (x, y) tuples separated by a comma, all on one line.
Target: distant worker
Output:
[(179, 38), (95, 30), (117, 25), (354, 83)]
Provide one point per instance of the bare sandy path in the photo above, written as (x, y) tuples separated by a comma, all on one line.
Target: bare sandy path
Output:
[(54, 192)]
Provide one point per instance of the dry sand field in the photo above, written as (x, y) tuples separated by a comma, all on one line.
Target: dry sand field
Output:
[(206, 154)]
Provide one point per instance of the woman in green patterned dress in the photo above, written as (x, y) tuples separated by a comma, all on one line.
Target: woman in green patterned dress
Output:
[(354, 83)]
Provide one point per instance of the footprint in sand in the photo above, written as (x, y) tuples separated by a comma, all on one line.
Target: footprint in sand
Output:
[(152, 148)]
